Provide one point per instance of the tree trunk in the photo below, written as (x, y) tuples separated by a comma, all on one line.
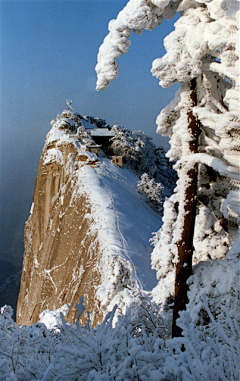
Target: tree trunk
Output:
[(188, 207)]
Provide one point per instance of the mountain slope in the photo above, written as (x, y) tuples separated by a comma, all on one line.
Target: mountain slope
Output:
[(88, 232)]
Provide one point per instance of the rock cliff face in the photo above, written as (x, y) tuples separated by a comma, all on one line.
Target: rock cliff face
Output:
[(81, 238), (59, 264)]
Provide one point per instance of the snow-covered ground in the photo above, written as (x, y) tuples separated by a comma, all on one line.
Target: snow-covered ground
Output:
[(124, 221)]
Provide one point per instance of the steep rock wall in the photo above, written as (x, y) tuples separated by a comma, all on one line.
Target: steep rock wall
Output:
[(60, 264)]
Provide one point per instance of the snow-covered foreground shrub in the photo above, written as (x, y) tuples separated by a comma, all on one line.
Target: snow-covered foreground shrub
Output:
[(131, 350), (209, 354)]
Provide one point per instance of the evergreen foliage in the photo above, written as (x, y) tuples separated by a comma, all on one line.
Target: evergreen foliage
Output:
[(152, 191)]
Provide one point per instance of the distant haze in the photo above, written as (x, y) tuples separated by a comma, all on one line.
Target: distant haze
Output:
[(48, 55)]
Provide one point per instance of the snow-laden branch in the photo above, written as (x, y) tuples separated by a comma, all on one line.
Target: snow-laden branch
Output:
[(136, 16), (204, 39), (213, 162), (200, 33)]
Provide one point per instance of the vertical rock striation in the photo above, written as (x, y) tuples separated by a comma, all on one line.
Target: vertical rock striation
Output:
[(60, 262)]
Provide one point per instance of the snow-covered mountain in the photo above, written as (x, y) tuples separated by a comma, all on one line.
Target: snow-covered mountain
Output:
[(89, 227), (88, 234)]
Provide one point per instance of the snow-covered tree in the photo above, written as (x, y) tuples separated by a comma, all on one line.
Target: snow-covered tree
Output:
[(151, 190), (202, 123), (126, 144), (141, 154)]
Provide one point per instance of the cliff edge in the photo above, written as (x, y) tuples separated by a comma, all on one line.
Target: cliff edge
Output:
[(88, 231)]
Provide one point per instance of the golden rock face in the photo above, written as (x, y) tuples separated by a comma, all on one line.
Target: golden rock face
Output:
[(61, 249)]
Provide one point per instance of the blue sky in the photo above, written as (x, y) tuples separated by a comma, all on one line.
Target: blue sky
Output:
[(48, 54)]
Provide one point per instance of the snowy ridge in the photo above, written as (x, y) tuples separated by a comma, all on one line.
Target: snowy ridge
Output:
[(125, 254), (86, 210)]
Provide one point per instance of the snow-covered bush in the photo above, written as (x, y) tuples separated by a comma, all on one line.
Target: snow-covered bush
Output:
[(152, 190), (210, 354), (133, 349)]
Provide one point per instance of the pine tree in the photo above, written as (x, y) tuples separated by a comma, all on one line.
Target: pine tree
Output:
[(152, 190)]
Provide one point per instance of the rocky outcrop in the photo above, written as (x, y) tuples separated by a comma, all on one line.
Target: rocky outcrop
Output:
[(59, 262)]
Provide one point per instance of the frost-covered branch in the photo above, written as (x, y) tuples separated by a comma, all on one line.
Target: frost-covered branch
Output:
[(136, 16)]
